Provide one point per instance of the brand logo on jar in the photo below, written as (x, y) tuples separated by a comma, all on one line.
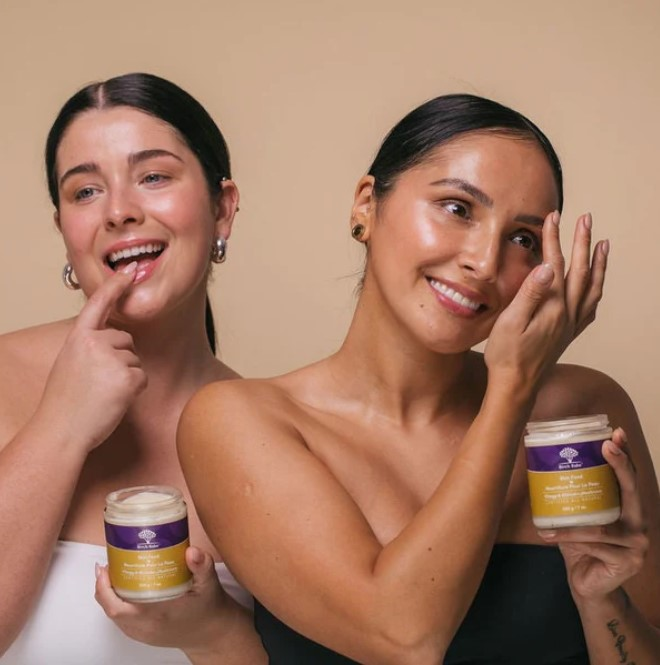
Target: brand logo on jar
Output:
[(569, 454), (147, 535)]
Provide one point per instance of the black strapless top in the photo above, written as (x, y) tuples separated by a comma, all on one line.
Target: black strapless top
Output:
[(523, 614)]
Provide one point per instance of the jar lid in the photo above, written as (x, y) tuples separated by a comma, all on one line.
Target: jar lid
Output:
[(577, 428), (571, 424), (143, 498)]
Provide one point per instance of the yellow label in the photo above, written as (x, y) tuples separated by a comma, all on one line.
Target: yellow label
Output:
[(575, 492), (148, 570)]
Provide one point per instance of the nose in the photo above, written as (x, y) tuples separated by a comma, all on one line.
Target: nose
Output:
[(122, 208), (480, 257)]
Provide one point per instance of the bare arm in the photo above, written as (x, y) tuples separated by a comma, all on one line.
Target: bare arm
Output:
[(40, 465), (614, 571), (288, 529)]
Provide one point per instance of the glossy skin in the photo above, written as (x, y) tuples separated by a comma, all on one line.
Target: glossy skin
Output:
[(431, 227), (146, 186), (126, 180), (345, 478)]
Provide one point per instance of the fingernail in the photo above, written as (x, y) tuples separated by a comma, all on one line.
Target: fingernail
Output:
[(547, 533), (131, 267), (587, 221), (97, 570), (197, 556), (555, 217), (613, 448), (140, 274), (605, 247), (544, 273)]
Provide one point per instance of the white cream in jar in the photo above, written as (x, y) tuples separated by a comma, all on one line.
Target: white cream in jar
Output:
[(146, 530)]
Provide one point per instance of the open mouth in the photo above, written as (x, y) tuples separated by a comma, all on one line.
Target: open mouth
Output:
[(147, 252), (455, 296)]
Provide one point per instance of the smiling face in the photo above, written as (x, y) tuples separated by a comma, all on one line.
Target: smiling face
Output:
[(131, 190), (450, 244)]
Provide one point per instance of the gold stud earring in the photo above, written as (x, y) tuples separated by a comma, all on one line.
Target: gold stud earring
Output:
[(358, 231)]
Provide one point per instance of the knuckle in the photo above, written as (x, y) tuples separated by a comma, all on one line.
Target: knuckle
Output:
[(637, 561), (112, 613), (597, 294), (582, 274), (641, 543)]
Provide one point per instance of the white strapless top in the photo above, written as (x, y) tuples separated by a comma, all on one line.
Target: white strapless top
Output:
[(68, 627)]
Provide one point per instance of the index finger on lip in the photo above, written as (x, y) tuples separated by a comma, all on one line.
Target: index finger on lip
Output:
[(95, 312)]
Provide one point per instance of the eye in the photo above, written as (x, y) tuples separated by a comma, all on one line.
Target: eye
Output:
[(154, 178), (84, 193), (457, 208), (528, 241)]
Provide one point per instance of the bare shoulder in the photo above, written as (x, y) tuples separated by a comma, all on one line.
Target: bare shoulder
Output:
[(575, 390), (36, 344), (235, 396), (229, 410), (26, 358)]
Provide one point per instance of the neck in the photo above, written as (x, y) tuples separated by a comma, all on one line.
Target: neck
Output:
[(393, 374), (175, 354)]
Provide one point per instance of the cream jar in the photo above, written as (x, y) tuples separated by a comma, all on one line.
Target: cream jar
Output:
[(146, 532), (570, 482)]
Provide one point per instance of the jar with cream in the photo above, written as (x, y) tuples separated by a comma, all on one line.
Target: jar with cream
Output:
[(146, 531), (570, 482)]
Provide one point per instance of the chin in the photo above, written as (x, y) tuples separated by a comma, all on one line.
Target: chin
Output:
[(139, 310), (447, 348), (453, 342)]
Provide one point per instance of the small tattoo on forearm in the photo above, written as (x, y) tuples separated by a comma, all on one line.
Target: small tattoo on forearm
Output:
[(619, 642)]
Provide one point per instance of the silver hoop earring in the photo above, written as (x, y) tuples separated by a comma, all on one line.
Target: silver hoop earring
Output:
[(68, 279), (219, 250)]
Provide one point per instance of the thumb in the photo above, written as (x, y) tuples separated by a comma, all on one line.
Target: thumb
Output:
[(531, 292), (201, 566)]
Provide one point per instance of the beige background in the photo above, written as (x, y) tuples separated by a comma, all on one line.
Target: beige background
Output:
[(304, 91)]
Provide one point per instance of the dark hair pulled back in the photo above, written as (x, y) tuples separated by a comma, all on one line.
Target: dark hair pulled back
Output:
[(444, 118), (161, 99)]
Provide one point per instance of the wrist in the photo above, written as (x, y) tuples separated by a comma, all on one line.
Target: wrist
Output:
[(616, 600), (514, 381), (62, 434), (56, 438), (222, 630), (511, 393)]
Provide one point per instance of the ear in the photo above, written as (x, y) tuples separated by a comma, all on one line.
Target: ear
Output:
[(225, 208), (56, 219), (364, 206)]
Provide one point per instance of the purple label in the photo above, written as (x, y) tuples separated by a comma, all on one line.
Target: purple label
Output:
[(147, 537), (565, 457)]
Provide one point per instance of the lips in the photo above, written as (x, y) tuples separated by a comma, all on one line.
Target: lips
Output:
[(454, 296), (148, 251)]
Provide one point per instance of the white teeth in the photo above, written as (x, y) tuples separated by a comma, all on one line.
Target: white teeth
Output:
[(135, 251), (454, 295)]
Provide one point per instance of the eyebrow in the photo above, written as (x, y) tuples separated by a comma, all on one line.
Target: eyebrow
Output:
[(87, 167), (143, 155), (468, 188), (485, 200), (133, 159)]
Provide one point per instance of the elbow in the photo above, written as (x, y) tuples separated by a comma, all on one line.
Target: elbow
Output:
[(400, 646)]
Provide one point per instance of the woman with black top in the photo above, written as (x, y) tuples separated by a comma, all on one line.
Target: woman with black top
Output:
[(384, 487)]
